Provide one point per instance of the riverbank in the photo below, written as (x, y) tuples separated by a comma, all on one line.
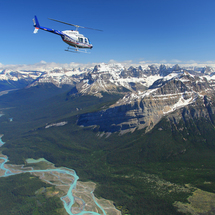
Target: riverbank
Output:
[(77, 196)]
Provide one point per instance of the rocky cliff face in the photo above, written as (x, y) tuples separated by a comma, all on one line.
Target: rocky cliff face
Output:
[(144, 109)]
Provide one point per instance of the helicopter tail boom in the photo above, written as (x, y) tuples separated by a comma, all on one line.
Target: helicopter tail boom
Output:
[(37, 27)]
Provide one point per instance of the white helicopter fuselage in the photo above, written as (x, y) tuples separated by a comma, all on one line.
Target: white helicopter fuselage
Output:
[(71, 37), (74, 38)]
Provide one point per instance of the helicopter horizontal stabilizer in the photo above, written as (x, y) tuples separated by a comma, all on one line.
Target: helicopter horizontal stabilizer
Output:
[(36, 30)]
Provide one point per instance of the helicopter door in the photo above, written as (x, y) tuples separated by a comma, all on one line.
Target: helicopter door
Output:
[(80, 40)]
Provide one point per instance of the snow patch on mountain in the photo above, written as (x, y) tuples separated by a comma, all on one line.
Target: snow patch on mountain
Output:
[(56, 124), (180, 103)]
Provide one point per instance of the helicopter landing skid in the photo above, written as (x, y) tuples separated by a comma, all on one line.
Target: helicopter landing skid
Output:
[(76, 50)]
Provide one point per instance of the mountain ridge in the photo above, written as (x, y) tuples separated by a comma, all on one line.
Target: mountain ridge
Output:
[(118, 74), (150, 91)]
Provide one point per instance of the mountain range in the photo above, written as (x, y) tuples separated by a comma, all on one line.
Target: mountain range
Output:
[(150, 91), (144, 134)]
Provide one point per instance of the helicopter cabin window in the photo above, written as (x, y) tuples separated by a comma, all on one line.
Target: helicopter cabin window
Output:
[(86, 40), (80, 40)]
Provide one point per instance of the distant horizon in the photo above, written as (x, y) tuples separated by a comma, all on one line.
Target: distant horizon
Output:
[(52, 65)]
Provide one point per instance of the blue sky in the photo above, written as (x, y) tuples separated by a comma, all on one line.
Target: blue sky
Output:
[(156, 31)]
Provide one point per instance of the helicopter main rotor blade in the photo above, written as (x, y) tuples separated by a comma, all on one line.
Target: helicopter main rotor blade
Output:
[(77, 26)]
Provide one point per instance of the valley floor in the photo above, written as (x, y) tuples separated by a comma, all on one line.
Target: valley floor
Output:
[(77, 200)]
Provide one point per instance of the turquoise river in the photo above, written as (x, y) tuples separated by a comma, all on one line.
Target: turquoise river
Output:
[(69, 195)]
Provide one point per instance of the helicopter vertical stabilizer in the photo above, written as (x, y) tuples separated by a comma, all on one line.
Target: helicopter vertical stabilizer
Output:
[(36, 25)]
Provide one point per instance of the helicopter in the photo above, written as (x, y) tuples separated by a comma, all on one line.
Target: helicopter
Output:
[(73, 38)]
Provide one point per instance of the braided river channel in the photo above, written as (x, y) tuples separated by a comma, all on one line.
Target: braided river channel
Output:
[(68, 199)]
